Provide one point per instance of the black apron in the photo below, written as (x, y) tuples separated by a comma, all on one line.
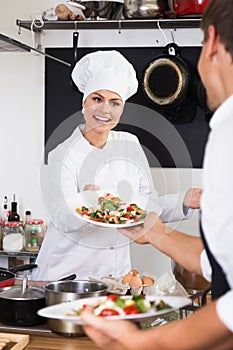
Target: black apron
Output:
[(219, 282)]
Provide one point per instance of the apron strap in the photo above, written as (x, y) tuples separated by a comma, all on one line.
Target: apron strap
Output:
[(219, 282)]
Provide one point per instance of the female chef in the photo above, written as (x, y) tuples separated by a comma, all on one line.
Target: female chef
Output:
[(95, 157)]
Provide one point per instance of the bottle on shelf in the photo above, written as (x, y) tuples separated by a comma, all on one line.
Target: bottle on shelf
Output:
[(14, 216), (28, 216)]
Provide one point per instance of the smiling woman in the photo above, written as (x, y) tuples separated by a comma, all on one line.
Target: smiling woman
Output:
[(96, 158), (102, 111)]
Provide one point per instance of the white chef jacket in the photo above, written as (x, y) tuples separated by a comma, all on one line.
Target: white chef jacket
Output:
[(74, 246), (216, 202)]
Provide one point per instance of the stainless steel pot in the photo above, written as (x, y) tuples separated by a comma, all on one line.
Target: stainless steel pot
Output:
[(142, 9), (191, 281), (66, 291)]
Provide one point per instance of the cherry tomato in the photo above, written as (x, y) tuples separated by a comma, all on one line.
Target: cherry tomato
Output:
[(127, 216), (130, 208), (109, 312), (112, 297), (131, 309), (97, 219), (84, 212)]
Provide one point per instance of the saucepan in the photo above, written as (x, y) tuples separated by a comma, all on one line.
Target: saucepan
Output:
[(19, 304), (66, 291)]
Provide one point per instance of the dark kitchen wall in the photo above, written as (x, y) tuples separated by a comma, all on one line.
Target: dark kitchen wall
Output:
[(186, 125)]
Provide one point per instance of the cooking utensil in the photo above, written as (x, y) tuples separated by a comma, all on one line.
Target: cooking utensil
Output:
[(167, 84), (99, 9), (67, 291), (19, 305), (191, 281), (143, 9), (167, 79), (7, 277), (189, 7), (75, 59)]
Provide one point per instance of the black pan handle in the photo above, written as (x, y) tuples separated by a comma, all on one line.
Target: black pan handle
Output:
[(75, 58), (75, 46), (22, 267), (70, 277)]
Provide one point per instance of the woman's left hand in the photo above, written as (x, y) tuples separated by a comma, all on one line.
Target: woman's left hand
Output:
[(192, 198), (91, 187)]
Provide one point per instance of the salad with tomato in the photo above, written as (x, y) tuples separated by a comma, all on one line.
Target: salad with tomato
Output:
[(115, 305), (112, 210)]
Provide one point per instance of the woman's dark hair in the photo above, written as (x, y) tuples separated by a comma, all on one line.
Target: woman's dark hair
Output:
[(219, 13)]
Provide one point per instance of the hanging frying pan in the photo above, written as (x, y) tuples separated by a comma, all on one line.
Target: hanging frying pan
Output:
[(167, 84), (166, 80)]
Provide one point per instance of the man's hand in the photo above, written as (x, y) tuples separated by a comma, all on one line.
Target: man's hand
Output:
[(143, 234), (192, 198)]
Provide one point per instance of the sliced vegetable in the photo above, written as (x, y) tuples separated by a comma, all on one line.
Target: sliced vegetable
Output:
[(109, 312)]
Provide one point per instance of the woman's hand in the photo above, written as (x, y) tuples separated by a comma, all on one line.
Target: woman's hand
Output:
[(192, 198), (91, 187)]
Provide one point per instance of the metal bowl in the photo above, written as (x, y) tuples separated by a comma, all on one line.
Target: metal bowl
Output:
[(102, 9), (66, 291)]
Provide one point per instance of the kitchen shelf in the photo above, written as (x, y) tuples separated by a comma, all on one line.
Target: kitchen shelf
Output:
[(112, 24), (21, 254)]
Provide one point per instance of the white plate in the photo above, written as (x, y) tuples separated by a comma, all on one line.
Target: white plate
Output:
[(90, 199), (59, 311)]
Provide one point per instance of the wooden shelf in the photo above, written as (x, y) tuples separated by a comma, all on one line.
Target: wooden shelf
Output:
[(112, 24)]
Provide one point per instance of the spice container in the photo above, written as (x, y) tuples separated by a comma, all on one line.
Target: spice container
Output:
[(34, 234), (13, 236)]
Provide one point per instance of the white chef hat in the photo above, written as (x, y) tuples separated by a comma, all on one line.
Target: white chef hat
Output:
[(105, 70)]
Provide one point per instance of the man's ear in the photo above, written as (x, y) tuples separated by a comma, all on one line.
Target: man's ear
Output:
[(212, 43)]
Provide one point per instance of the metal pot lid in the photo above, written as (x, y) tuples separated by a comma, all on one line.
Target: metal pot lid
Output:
[(23, 293)]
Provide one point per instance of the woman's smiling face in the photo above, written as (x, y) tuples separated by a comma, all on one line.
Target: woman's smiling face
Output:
[(102, 110)]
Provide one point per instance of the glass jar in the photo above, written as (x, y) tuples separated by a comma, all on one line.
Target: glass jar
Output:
[(13, 236), (34, 234)]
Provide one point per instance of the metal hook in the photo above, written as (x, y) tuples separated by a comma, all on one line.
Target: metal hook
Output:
[(76, 26), (173, 40), (162, 32), (119, 26)]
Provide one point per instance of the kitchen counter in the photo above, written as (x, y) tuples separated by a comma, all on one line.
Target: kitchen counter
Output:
[(42, 338)]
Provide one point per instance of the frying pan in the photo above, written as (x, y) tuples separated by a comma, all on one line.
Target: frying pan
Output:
[(7, 277), (168, 83), (166, 80)]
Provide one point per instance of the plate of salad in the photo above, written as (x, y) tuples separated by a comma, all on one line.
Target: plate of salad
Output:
[(110, 210), (135, 308)]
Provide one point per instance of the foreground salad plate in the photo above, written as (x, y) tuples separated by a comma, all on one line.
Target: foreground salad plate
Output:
[(66, 311)]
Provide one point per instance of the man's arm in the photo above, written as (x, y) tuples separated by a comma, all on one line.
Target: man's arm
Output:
[(182, 248)]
